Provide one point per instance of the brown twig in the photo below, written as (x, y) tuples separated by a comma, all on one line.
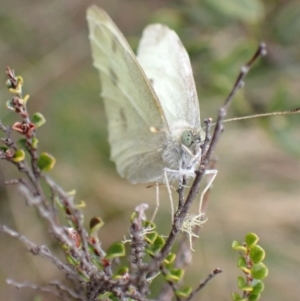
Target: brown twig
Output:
[(203, 283)]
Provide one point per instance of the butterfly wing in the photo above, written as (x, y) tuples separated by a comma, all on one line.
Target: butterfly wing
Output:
[(167, 66), (131, 104)]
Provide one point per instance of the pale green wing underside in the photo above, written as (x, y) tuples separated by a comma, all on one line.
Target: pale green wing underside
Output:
[(131, 104), (167, 64)]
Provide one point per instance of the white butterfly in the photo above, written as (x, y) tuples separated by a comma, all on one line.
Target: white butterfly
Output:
[(150, 101)]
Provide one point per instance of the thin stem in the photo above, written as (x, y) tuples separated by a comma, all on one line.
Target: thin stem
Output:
[(203, 283)]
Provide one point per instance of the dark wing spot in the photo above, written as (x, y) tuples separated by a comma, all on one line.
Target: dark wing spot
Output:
[(151, 81), (113, 76)]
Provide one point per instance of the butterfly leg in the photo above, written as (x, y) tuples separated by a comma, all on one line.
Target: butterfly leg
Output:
[(214, 173), (157, 202), (166, 170)]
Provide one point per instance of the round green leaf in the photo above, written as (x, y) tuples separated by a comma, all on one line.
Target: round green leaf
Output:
[(96, 224), (115, 250), (9, 105), (183, 292), (238, 247), (38, 119), (242, 262), (251, 239), (257, 254), (174, 275), (254, 297), (34, 142), (121, 272), (148, 224), (19, 156), (241, 282), (151, 237), (259, 271), (235, 244), (243, 265), (258, 288), (46, 162), (158, 244), (170, 258), (237, 297)]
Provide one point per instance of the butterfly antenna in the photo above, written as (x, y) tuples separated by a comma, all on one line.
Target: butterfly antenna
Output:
[(294, 111)]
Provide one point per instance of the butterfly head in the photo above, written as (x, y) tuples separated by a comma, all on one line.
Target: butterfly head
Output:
[(192, 139)]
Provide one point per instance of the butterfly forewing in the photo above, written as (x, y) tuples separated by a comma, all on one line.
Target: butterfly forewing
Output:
[(131, 104), (167, 65)]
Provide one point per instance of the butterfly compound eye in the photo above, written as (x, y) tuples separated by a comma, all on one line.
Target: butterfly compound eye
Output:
[(187, 138)]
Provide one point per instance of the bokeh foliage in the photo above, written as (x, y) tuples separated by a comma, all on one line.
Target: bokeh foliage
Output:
[(257, 188)]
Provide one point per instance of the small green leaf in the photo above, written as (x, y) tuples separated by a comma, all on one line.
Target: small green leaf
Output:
[(23, 143), (251, 239), (238, 247), (96, 223), (183, 292), (149, 225), (241, 282), (247, 288), (34, 143), (38, 119), (257, 254), (243, 265), (121, 272), (115, 250), (246, 270), (174, 275), (253, 297), (258, 288), (170, 258), (46, 162), (235, 244), (3, 148), (9, 105), (133, 216), (259, 271), (151, 237), (242, 262), (19, 156), (149, 251), (158, 244), (237, 297)]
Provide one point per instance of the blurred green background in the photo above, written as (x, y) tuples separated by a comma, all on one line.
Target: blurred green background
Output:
[(257, 188)]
